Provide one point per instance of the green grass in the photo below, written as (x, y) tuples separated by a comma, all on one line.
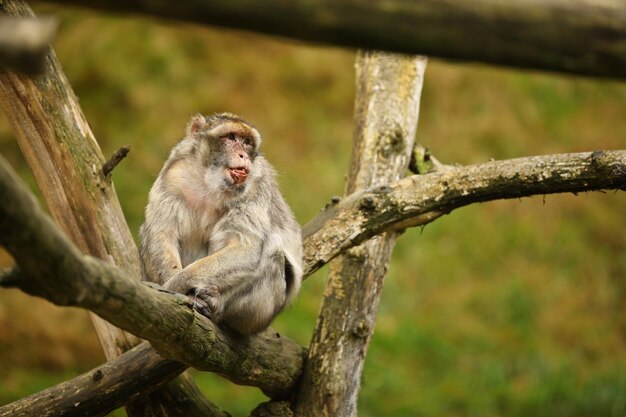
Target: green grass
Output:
[(507, 308)]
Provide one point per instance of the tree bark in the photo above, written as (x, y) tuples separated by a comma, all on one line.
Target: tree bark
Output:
[(386, 114), (97, 392), (64, 157), (136, 373), (66, 162), (573, 36)]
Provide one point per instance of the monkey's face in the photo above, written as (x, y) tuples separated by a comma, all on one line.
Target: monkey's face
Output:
[(239, 151), (228, 146)]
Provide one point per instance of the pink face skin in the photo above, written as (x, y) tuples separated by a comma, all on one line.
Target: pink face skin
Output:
[(238, 149)]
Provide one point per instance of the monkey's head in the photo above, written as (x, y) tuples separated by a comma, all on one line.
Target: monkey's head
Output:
[(227, 146)]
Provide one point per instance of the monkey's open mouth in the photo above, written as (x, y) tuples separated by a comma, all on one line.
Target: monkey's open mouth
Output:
[(238, 175)]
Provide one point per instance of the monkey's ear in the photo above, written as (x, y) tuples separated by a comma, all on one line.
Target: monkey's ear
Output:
[(197, 123)]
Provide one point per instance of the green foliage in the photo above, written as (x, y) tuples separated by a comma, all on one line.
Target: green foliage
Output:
[(508, 308)]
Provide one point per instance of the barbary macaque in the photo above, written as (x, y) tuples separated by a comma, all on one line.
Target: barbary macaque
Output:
[(218, 230)]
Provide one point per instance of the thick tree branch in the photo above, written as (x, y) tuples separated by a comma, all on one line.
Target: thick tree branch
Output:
[(60, 149), (138, 372), (51, 267), (575, 36), (102, 389), (419, 199), (386, 112), (24, 41)]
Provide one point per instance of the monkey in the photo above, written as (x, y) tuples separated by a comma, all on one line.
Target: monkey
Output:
[(218, 230)]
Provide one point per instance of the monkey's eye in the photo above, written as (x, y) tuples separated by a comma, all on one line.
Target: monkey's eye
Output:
[(230, 136), (247, 141)]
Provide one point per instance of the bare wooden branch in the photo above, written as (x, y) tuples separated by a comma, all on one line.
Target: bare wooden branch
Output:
[(575, 36), (23, 42), (386, 112), (138, 372), (419, 199), (44, 112), (114, 160), (53, 268), (105, 388)]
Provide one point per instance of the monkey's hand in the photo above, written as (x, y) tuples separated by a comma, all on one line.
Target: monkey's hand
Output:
[(206, 302), (205, 296)]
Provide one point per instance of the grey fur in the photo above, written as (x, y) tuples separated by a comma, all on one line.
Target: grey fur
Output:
[(234, 248)]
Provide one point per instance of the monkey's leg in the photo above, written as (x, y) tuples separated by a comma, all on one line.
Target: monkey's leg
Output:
[(251, 308)]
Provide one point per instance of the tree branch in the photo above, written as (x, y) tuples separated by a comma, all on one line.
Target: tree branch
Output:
[(575, 36), (114, 160), (387, 106), (24, 41), (102, 389), (138, 372), (60, 149), (420, 199)]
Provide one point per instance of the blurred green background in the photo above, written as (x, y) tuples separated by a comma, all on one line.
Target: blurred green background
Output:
[(513, 308)]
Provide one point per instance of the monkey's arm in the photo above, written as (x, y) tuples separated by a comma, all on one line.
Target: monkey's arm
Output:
[(224, 270), (243, 286), (161, 259)]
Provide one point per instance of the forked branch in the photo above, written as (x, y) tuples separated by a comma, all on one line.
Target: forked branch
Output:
[(419, 199)]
